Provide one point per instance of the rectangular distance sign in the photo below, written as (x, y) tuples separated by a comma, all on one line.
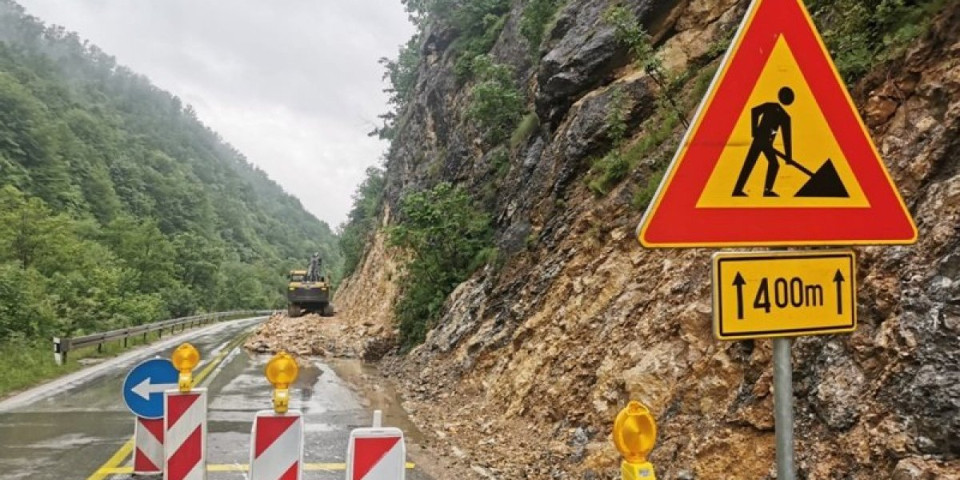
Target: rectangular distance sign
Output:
[(783, 294)]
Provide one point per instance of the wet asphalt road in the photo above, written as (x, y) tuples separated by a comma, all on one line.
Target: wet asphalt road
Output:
[(72, 432)]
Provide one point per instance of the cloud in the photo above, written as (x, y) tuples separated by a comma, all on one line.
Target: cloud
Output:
[(293, 84)]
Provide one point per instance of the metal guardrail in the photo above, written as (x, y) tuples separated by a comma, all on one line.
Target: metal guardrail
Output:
[(62, 345)]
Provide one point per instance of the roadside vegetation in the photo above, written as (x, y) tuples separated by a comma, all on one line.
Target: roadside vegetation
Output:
[(859, 33), (118, 207), (29, 362), (26, 363), (626, 153), (361, 223), (536, 20), (447, 238), (862, 34)]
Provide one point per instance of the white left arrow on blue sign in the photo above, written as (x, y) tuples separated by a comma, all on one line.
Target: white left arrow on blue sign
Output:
[(145, 388), (145, 382)]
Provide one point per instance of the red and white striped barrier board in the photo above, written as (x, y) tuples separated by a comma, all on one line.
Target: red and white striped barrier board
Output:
[(148, 447), (185, 435), (276, 447), (377, 453)]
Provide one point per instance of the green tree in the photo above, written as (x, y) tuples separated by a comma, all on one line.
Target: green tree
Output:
[(146, 253), (537, 15), (362, 219), (402, 74), (30, 230), (495, 102), (118, 206), (448, 239)]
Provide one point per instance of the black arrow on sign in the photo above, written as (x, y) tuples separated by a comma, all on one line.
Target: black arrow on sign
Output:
[(838, 279), (739, 282)]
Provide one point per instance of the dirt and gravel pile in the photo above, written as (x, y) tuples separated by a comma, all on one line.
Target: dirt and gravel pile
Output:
[(320, 336)]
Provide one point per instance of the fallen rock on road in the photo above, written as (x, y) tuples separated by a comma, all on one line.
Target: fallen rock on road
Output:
[(321, 336)]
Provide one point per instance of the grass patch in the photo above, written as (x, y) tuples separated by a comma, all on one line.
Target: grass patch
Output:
[(700, 85), (610, 170), (25, 363), (500, 162), (665, 126), (643, 196), (528, 124)]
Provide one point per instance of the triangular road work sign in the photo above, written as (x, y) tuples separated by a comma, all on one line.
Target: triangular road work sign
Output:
[(777, 154)]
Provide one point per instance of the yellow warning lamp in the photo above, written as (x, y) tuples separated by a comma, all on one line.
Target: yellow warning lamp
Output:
[(281, 371), (634, 433), (185, 358)]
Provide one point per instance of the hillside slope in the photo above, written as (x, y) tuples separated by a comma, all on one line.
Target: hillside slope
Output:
[(118, 205), (532, 356)]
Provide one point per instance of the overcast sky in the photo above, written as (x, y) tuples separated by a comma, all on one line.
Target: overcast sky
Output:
[(293, 84)]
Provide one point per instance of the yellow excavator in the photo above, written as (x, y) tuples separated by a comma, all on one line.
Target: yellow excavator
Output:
[(309, 290)]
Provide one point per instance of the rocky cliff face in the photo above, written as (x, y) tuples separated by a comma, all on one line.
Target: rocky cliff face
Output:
[(533, 357)]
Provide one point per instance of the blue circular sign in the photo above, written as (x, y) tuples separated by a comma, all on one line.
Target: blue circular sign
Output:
[(144, 386)]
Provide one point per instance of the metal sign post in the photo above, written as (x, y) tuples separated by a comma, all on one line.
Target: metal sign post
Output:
[(779, 295), (783, 407)]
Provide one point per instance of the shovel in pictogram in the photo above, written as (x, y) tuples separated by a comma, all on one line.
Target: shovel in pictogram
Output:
[(825, 182)]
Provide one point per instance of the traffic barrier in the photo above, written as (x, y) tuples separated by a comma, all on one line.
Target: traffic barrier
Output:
[(276, 447), (143, 390), (276, 450), (185, 435), (376, 453), (171, 431), (148, 447), (185, 421)]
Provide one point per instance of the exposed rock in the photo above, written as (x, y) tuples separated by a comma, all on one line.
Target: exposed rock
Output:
[(314, 335), (530, 361), (583, 53)]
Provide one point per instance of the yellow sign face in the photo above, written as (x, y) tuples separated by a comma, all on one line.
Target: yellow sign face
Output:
[(783, 294), (782, 153)]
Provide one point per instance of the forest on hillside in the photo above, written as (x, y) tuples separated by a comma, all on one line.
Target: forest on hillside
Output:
[(118, 206)]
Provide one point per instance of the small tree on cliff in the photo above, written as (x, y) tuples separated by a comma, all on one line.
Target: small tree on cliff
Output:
[(447, 238), (495, 101)]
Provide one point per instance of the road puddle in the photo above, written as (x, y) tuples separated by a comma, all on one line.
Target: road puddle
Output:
[(377, 393)]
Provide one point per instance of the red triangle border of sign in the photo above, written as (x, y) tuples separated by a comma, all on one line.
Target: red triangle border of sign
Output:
[(674, 220)]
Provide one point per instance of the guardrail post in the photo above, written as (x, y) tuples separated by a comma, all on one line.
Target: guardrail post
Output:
[(60, 348), (100, 348)]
